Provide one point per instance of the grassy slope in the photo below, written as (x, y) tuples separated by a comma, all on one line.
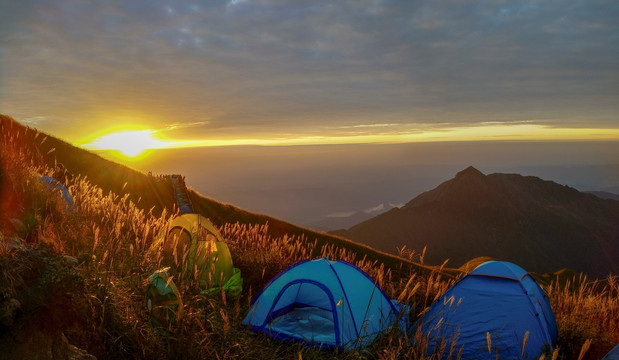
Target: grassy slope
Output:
[(109, 176), (112, 237), (221, 213), (147, 193)]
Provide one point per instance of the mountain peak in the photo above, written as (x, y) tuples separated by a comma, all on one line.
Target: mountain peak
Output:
[(469, 184), (470, 172), (505, 216)]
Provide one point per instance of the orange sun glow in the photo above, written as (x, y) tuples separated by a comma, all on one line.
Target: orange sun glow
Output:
[(129, 143)]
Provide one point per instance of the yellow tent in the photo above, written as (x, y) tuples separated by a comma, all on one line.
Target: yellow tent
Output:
[(193, 245)]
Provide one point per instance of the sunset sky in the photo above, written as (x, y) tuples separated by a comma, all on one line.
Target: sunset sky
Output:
[(310, 72)]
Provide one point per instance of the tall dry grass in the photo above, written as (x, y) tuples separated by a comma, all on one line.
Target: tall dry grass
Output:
[(587, 314), (111, 235)]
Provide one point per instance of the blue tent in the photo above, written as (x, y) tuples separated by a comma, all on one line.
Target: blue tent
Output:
[(329, 304), (612, 354), (497, 298), (53, 184)]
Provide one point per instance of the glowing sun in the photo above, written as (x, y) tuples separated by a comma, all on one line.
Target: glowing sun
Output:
[(129, 143)]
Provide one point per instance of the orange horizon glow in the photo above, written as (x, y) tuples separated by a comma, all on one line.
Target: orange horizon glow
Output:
[(129, 144), (133, 143)]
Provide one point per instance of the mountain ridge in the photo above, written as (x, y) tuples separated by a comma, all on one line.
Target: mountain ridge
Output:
[(537, 223)]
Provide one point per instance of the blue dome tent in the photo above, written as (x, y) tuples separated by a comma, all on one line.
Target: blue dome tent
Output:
[(53, 184), (499, 299), (329, 304), (613, 354)]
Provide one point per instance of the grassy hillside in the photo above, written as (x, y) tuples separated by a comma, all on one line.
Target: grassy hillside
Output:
[(73, 282), (109, 176), (152, 192)]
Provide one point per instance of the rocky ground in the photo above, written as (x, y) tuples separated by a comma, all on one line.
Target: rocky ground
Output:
[(45, 312)]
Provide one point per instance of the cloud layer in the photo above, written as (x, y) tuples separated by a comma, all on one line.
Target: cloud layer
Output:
[(285, 68)]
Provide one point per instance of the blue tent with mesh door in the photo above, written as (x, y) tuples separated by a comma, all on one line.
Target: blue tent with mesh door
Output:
[(53, 184), (323, 303), (497, 303)]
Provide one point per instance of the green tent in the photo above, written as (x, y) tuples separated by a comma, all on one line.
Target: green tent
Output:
[(207, 253), (163, 300)]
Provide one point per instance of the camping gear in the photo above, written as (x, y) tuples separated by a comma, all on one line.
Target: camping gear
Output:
[(323, 303), (181, 194), (53, 184), (497, 303), (185, 209), (233, 286), (613, 354), (163, 300), (207, 253)]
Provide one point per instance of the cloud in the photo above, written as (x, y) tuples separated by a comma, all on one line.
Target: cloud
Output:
[(373, 125), (37, 120), (179, 125), (341, 214), (379, 207), (375, 209), (251, 67)]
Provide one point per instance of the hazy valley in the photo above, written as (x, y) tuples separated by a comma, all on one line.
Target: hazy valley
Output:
[(306, 184)]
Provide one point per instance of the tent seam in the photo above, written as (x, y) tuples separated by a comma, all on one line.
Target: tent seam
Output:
[(275, 278), (345, 296)]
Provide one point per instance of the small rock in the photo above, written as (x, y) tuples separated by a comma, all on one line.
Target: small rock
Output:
[(8, 308), (17, 224), (76, 353), (64, 350), (70, 260)]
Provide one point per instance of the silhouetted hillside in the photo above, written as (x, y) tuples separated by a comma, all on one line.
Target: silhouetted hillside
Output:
[(151, 192), (144, 190), (538, 224)]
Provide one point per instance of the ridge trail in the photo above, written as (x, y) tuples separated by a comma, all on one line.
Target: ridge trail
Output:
[(181, 193)]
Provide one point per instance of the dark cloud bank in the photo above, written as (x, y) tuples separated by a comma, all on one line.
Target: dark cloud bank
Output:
[(302, 67)]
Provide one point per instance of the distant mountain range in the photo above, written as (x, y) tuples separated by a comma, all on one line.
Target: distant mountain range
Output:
[(604, 194), (541, 225)]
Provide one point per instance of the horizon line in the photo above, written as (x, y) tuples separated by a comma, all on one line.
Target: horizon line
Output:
[(491, 133)]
